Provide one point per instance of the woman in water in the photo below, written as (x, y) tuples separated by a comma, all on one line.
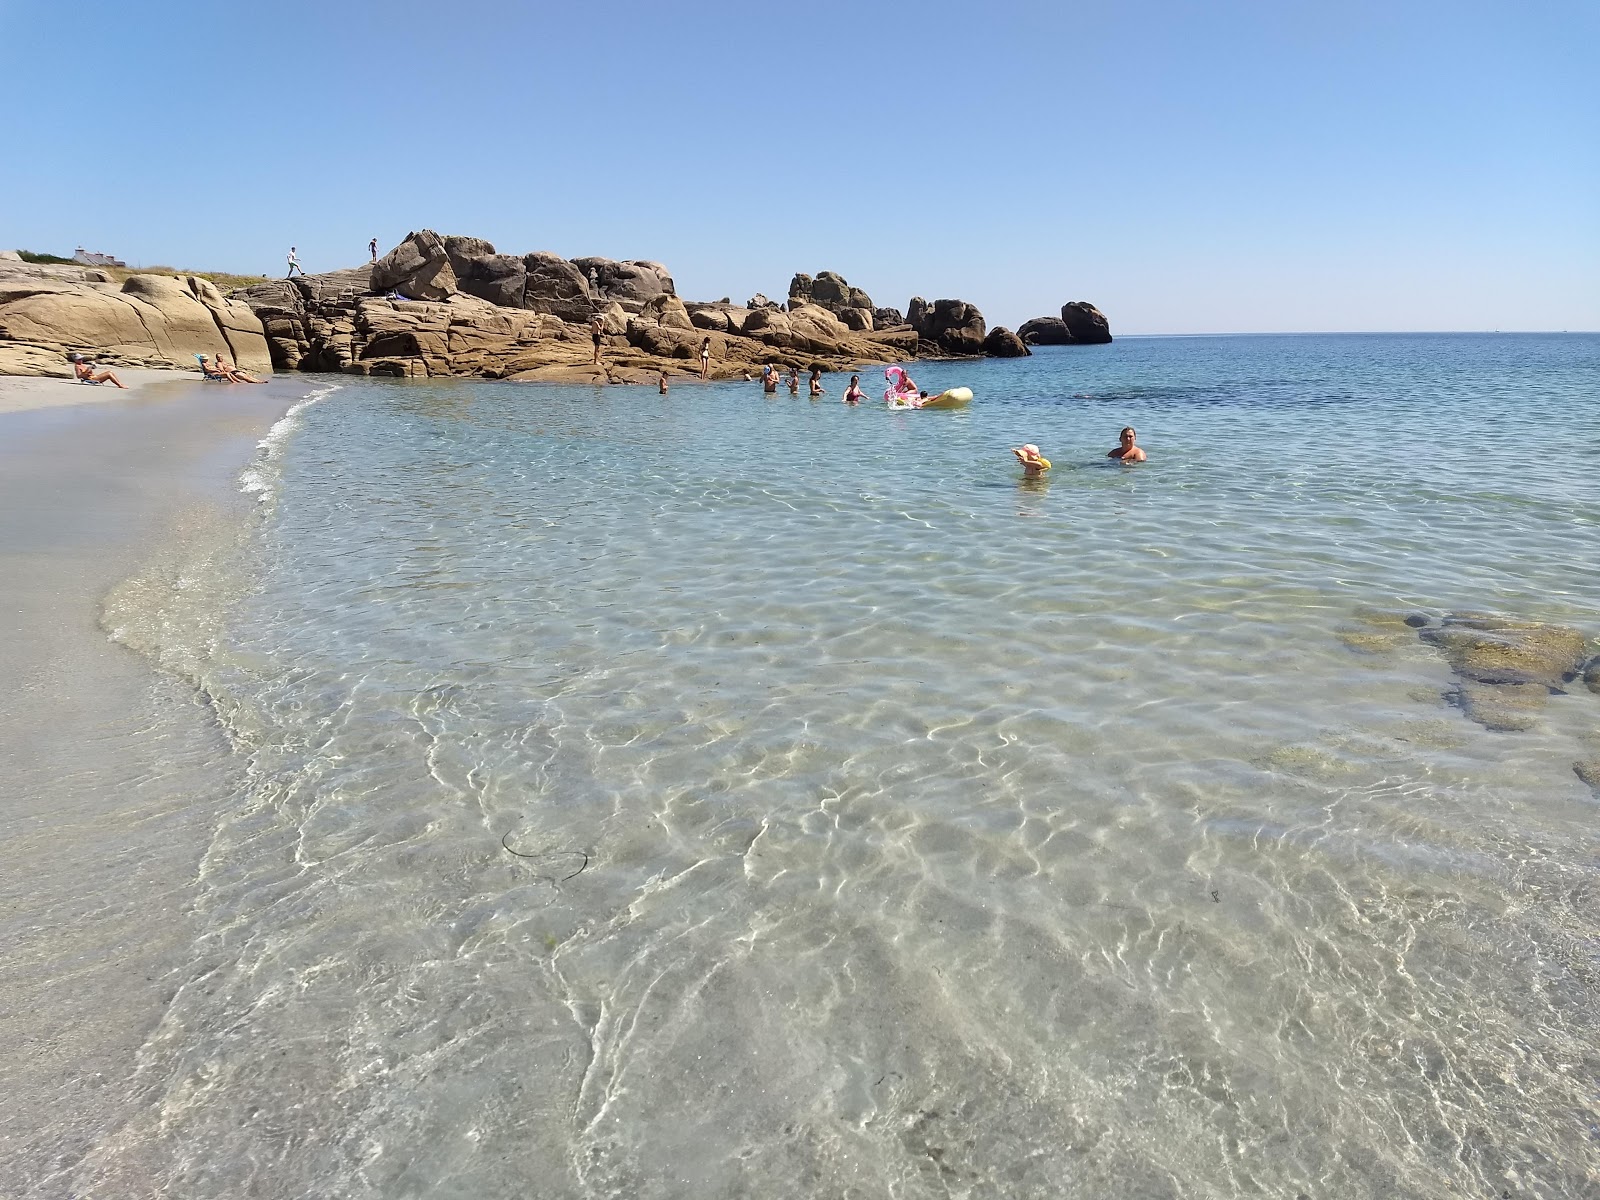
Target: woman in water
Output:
[(794, 380), (816, 381), (1127, 451), (853, 394)]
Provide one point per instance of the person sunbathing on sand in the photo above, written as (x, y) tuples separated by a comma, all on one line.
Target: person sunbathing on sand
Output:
[(1127, 451), (232, 373), (84, 370)]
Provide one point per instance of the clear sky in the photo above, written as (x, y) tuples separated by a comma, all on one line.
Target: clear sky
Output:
[(1191, 166)]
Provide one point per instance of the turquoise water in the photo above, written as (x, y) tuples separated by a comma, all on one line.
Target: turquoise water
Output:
[(719, 794)]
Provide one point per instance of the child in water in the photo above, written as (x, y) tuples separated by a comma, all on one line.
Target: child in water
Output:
[(661, 384), (1033, 463)]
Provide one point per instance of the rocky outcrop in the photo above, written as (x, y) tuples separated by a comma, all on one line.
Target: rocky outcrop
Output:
[(631, 284), (1045, 331), (947, 326), (418, 268), (1080, 324), (828, 290), (527, 316), (1002, 343), (150, 320), (1085, 323)]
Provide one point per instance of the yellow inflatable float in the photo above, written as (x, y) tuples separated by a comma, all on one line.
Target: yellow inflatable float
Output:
[(958, 397)]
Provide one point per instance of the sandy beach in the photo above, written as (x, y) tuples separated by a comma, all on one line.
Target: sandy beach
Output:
[(112, 772)]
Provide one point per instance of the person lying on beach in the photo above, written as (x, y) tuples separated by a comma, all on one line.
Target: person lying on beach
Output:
[(1033, 463), (1127, 451), (816, 381), (84, 370), (234, 375), (853, 394)]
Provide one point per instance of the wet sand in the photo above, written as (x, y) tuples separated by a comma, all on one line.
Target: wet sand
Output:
[(110, 773)]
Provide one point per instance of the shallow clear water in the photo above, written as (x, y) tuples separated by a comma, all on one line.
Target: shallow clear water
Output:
[(728, 795)]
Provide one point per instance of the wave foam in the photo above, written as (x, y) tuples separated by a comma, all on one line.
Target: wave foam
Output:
[(258, 479)]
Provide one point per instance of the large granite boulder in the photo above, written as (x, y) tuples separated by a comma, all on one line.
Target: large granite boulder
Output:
[(667, 312), (760, 301), (500, 279), (815, 330), (418, 268), (858, 319), (462, 250), (887, 318), (1045, 331), (949, 326), (556, 286), (630, 283), (1002, 343), (828, 290), (1086, 324)]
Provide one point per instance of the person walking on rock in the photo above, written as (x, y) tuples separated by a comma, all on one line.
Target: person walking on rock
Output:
[(596, 331), (705, 358), (372, 249), (294, 264)]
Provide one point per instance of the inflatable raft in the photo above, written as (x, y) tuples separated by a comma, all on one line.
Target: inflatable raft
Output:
[(958, 397)]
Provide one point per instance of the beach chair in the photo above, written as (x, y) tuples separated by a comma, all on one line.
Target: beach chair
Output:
[(207, 372)]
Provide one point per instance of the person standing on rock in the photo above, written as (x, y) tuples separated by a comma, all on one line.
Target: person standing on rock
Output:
[(294, 264), (705, 358), (594, 283), (597, 330), (372, 249)]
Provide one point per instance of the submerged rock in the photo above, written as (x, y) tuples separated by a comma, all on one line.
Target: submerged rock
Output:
[(1508, 668), (1588, 770)]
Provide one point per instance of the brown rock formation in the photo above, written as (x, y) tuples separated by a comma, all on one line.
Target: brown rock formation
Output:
[(527, 316), (1086, 324), (151, 320), (1080, 323), (1002, 343), (947, 326)]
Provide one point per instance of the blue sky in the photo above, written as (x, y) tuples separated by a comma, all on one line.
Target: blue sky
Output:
[(1188, 167)]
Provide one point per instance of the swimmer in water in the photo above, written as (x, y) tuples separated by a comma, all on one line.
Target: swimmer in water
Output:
[(853, 394), (816, 381), (1127, 451), (1033, 463), (661, 384)]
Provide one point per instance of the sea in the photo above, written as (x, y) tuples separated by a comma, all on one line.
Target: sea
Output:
[(729, 795)]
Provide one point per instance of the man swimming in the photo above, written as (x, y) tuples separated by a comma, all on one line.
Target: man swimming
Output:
[(1127, 451)]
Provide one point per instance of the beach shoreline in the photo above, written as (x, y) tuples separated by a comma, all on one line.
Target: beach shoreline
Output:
[(114, 771)]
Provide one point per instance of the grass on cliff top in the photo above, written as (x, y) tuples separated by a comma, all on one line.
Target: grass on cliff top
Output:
[(224, 281)]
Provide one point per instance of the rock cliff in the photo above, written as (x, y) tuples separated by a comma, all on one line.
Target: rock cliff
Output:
[(47, 311)]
